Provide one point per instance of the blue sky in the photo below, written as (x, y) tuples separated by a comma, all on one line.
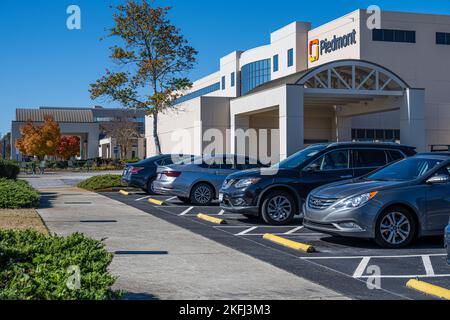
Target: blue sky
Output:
[(42, 63)]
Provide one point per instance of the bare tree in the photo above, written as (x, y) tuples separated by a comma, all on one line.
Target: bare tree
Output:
[(123, 131)]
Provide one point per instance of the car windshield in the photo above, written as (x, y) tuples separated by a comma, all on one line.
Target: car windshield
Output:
[(300, 157), (406, 170)]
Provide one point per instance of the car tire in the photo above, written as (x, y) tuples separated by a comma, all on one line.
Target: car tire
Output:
[(150, 189), (278, 208), (184, 200), (395, 228), (202, 194)]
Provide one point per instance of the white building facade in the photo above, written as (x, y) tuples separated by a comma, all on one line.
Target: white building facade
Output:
[(341, 81)]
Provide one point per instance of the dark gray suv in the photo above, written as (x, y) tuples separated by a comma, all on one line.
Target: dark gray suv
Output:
[(393, 205)]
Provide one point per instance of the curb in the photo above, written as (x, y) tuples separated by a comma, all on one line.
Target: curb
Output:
[(211, 219), (289, 243), (429, 289), (156, 202)]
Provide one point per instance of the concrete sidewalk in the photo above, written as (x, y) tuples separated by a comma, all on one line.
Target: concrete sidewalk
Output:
[(193, 268)]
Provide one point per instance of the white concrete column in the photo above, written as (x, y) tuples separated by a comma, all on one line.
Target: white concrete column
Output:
[(343, 129), (292, 135), (239, 122), (412, 119)]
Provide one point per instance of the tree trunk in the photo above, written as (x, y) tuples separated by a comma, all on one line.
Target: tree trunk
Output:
[(155, 132)]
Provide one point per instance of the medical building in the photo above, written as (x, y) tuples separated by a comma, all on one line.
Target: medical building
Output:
[(341, 81)]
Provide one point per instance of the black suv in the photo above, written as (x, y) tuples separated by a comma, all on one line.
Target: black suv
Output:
[(277, 194)]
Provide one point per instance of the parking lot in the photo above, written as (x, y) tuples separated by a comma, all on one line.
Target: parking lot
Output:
[(344, 265)]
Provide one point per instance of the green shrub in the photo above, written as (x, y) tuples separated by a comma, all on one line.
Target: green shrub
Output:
[(130, 161), (16, 194), (37, 267), (9, 169), (101, 182)]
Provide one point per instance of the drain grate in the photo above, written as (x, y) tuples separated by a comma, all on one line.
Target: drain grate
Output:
[(98, 221), (77, 202), (139, 253)]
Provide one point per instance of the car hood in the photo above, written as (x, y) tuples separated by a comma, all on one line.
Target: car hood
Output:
[(344, 189), (264, 172)]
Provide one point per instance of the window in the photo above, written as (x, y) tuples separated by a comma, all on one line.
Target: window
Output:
[(198, 93), (369, 158), (395, 155), (255, 74), (290, 57), (375, 135), (406, 170), (275, 63), (223, 82), (233, 79), (389, 35), (442, 38), (335, 160)]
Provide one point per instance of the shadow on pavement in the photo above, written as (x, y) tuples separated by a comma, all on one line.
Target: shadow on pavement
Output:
[(138, 296), (46, 199), (423, 243)]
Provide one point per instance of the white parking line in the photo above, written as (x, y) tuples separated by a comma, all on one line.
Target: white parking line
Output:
[(428, 266), (361, 268), (221, 213), (170, 199), (186, 211), (413, 276), (143, 198), (294, 230), (243, 233), (372, 257)]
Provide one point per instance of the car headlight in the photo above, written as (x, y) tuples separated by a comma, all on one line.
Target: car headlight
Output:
[(244, 183), (357, 201)]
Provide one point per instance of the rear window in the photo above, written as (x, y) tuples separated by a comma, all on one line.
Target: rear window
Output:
[(369, 158), (395, 155)]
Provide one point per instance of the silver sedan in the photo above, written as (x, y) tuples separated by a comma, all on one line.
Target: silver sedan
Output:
[(393, 205), (199, 182)]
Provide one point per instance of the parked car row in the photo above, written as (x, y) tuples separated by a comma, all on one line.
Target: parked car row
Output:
[(380, 191)]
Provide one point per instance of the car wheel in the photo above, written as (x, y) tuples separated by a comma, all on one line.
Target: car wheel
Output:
[(150, 190), (202, 194), (278, 208), (395, 228), (184, 200)]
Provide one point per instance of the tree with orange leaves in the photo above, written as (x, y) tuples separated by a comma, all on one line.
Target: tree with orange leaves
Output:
[(69, 147), (39, 140)]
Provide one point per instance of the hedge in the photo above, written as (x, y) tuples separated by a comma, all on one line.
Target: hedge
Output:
[(39, 267), (101, 182), (15, 194), (9, 169)]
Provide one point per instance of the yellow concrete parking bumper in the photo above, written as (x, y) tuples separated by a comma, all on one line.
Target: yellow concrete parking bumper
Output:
[(125, 193), (156, 202), (211, 219), (429, 289), (289, 243)]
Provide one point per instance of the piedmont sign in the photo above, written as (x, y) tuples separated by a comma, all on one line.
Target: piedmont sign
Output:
[(318, 48)]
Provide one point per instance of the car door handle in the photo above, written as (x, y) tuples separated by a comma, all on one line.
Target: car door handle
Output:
[(347, 177)]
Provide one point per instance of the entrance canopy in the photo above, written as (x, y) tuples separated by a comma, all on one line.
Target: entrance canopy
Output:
[(345, 88)]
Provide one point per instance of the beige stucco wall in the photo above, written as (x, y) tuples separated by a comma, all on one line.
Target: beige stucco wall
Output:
[(181, 129)]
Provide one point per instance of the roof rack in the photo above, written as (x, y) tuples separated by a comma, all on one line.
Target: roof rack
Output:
[(387, 143), (440, 148)]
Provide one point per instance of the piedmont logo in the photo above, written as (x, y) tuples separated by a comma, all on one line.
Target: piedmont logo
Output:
[(319, 48), (314, 50)]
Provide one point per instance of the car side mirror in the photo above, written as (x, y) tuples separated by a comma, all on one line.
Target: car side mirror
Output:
[(439, 179)]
